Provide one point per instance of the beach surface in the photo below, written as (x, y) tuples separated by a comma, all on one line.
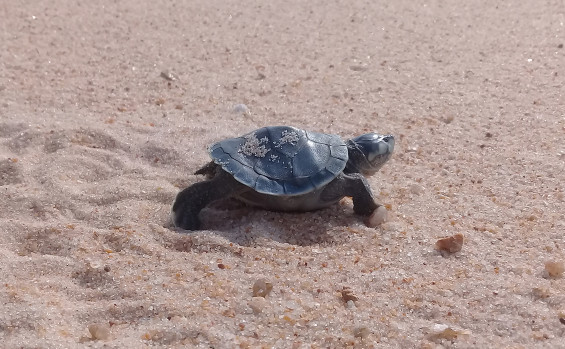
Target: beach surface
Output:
[(107, 109)]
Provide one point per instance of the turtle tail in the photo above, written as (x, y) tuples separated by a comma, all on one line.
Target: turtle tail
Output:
[(208, 170)]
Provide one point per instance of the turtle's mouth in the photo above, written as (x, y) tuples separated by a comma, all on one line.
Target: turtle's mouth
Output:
[(375, 164)]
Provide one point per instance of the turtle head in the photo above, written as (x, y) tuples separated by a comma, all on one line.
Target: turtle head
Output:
[(369, 152)]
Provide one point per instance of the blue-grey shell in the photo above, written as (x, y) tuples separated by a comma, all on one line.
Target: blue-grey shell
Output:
[(282, 160)]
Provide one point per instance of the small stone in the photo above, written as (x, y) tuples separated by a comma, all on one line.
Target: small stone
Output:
[(562, 317), (262, 288), (350, 305), (449, 119), (441, 331), (240, 109), (361, 332), (359, 68), (99, 331), (450, 244), (416, 189), (378, 217), (541, 292), (168, 75), (229, 313), (257, 304), (554, 269)]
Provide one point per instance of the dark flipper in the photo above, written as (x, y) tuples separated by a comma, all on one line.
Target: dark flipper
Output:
[(193, 199), (355, 186)]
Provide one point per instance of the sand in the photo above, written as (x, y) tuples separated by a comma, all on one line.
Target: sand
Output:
[(106, 109)]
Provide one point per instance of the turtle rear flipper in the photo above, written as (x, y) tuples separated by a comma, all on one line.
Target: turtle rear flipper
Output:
[(192, 200)]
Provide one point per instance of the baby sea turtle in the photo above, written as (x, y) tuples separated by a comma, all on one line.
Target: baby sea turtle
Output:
[(284, 168)]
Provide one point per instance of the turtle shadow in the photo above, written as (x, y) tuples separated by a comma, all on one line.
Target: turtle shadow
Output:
[(250, 226)]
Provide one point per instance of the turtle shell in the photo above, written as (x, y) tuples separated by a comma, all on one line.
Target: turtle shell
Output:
[(282, 160)]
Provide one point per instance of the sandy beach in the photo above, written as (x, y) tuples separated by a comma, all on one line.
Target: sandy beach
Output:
[(107, 109)]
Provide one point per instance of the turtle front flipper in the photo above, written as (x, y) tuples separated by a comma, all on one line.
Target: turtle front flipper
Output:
[(190, 201), (353, 185)]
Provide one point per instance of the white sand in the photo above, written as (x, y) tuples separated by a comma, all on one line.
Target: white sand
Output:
[(95, 144)]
